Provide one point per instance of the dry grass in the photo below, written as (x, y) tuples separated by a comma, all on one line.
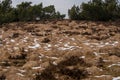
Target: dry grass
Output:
[(60, 50)]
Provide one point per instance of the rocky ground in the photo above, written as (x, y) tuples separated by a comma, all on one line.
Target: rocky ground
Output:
[(60, 50)]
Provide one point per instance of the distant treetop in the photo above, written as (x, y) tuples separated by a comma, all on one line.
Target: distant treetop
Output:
[(27, 12), (97, 10)]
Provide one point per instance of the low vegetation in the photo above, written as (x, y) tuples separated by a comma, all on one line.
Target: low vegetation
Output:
[(61, 50)]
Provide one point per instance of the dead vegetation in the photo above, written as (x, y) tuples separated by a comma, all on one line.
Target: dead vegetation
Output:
[(2, 77), (66, 69), (60, 50)]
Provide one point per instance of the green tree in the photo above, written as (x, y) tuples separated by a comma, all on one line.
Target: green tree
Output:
[(49, 12), (59, 16), (23, 11), (94, 10), (6, 11), (74, 12), (102, 10), (36, 11), (26, 12), (112, 8), (5, 6)]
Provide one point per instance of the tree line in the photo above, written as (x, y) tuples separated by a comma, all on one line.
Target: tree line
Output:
[(25, 11), (97, 10)]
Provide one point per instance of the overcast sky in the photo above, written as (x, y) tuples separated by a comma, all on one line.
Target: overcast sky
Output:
[(60, 5)]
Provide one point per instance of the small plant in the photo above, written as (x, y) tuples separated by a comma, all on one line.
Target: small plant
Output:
[(0, 41), (18, 62), (45, 40), (2, 77), (55, 27), (76, 74), (115, 51), (45, 75), (61, 69), (5, 63), (15, 35), (100, 62), (73, 60), (20, 57), (70, 33)]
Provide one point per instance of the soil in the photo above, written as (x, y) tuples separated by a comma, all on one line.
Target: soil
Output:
[(60, 50)]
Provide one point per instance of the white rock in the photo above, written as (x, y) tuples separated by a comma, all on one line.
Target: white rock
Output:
[(107, 43), (0, 36), (16, 48), (114, 65), (116, 78), (73, 39), (49, 45), (54, 63), (41, 56), (35, 46), (101, 76), (96, 54), (54, 58), (26, 50), (22, 71), (20, 74), (36, 67), (82, 57), (12, 40)]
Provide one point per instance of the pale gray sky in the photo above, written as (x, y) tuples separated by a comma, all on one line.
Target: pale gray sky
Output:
[(60, 5)]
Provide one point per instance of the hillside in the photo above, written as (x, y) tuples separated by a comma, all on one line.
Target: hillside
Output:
[(60, 50)]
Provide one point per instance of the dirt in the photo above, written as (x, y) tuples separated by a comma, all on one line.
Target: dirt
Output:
[(60, 50)]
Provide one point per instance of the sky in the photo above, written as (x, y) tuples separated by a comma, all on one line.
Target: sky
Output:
[(60, 5)]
